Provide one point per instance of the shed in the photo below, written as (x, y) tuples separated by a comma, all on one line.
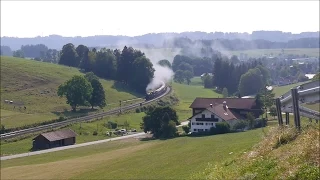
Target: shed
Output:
[(63, 137)]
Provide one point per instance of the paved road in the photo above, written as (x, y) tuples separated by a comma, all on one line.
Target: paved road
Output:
[(77, 145), (73, 120)]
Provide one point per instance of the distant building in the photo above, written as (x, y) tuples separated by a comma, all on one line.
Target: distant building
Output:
[(210, 74), (63, 137)]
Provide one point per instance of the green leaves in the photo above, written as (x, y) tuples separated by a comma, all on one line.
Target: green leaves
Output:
[(77, 91)]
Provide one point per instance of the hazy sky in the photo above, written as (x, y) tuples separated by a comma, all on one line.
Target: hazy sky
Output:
[(86, 18)]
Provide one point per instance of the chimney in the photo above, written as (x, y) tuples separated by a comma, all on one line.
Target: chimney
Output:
[(211, 105), (225, 105)]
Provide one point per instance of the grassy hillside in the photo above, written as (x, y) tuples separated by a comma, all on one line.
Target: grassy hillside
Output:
[(177, 158), (34, 85), (284, 153), (312, 52)]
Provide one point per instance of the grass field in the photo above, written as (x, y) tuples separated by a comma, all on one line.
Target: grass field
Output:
[(280, 90), (255, 53), (84, 132), (176, 158), (34, 85), (187, 94)]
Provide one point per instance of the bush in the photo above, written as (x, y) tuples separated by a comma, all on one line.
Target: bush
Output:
[(221, 128), (138, 110), (111, 125), (260, 123), (95, 133), (240, 125), (186, 129)]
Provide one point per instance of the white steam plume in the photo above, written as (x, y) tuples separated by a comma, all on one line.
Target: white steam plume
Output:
[(161, 74)]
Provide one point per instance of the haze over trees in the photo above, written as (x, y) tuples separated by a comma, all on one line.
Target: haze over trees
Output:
[(161, 39)]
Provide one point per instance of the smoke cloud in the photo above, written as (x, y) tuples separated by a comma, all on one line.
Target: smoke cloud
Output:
[(161, 74)]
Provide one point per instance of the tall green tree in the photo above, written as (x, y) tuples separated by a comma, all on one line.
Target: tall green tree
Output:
[(106, 64), (142, 73), (98, 94), (69, 56), (179, 76), (77, 90), (225, 92), (251, 82), (187, 76), (83, 55)]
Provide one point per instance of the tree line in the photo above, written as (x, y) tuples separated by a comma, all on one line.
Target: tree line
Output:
[(241, 44), (129, 66)]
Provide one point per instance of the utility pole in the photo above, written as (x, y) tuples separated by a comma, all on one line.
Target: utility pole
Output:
[(120, 106)]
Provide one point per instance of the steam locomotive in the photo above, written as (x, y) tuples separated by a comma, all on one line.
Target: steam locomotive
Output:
[(157, 92)]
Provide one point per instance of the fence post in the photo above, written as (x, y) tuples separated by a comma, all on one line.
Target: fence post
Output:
[(279, 113), (296, 110)]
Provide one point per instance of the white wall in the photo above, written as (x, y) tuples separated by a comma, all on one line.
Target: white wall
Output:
[(206, 125)]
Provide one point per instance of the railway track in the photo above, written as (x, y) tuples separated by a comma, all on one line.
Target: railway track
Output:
[(80, 119)]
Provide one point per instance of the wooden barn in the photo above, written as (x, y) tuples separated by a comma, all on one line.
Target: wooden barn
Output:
[(63, 137)]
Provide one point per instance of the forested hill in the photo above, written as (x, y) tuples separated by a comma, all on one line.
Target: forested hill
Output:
[(151, 40)]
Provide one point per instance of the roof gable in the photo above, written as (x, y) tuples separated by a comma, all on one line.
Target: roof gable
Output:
[(58, 135), (235, 103)]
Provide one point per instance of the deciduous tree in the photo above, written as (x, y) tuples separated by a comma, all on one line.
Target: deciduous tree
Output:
[(77, 91)]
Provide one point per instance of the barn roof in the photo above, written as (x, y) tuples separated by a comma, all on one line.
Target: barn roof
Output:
[(234, 103), (58, 135)]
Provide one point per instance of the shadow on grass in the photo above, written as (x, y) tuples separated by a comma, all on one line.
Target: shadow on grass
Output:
[(122, 87)]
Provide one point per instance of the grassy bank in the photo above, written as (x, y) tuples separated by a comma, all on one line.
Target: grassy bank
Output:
[(284, 153)]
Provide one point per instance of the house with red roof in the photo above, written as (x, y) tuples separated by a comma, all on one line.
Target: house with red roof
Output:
[(208, 111)]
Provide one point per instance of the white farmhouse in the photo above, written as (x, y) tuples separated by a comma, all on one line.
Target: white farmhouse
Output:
[(208, 111)]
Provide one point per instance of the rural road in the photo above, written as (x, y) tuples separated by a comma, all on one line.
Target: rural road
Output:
[(78, 145), (84, 118)]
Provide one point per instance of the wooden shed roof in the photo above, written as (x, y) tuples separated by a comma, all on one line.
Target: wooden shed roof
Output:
[(58, 135)]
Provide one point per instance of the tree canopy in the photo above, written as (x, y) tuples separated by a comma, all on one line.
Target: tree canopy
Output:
[(77, 90), (161, 121)]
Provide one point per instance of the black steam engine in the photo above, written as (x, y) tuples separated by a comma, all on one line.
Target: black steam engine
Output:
[(156, 93)]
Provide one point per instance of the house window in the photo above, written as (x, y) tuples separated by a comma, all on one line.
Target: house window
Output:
[(192, 123), (195, 130), (203, 116)]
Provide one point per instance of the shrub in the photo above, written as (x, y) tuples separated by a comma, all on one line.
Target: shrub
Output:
[(260, 123), (138, 110), (186, 129), (240, 125), (221, 128), (111, 125), (95, 133)]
